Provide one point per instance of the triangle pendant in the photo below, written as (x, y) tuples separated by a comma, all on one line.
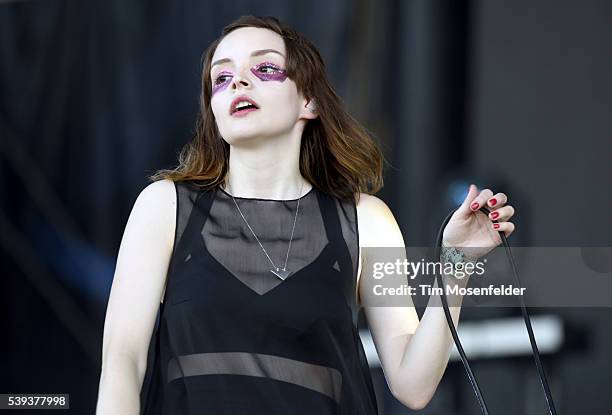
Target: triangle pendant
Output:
[(280, 273)]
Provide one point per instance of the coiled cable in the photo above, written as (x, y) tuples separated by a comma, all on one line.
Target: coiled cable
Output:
[(534, 346)]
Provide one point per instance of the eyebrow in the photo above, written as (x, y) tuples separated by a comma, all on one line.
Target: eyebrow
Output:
[(254, 53)]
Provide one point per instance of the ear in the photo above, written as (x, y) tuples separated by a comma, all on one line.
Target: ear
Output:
[(309, 110)]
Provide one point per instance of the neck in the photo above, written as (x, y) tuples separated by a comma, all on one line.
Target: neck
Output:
[(267, 168)]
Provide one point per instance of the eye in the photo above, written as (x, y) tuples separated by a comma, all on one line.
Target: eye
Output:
[(221, 79), (268, 68)]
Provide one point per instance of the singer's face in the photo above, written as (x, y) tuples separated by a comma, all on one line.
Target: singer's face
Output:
[(250, 62)]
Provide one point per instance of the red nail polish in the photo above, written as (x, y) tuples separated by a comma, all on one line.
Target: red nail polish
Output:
[(474, 206), (496, 226), (493, 201), (494, 215)]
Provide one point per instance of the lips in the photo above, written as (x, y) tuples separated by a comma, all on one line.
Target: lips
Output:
[(243, 109)]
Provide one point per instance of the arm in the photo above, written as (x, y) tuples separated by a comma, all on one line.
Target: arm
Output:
[(136, 292), (413, 354)]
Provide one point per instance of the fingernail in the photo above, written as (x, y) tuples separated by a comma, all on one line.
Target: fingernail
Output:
[(493, 201), (474, 206), (494, 215), (496, 226)]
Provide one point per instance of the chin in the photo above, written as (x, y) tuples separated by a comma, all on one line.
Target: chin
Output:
[(237, 136)]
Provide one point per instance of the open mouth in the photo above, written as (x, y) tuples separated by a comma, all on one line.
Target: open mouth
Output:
[(244, 110), (242, 106)]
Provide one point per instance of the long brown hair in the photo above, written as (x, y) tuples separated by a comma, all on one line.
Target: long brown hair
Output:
[(337, 154)]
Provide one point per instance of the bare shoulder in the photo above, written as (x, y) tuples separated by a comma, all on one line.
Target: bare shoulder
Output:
[(157, 203), (370, 203), (377, 225), (152, 221), (160, 192)]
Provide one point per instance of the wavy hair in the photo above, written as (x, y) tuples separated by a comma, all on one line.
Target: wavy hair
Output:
[(337, 154)]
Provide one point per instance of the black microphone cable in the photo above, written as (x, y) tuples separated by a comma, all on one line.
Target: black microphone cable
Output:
[(534, 346)]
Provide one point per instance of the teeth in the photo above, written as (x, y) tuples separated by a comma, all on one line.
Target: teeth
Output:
[(243, 104)]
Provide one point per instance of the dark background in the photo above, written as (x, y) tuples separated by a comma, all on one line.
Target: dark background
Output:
[(96, 95)]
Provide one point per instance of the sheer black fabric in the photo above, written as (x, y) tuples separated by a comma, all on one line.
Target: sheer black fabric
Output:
[(235, 338)]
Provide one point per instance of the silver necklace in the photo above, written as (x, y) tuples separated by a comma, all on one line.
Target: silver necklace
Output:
[(281, 273)]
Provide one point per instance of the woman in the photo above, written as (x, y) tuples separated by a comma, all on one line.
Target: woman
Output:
[(252, 247)]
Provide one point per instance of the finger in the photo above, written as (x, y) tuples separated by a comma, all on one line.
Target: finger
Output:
[(480, 200), (506, 227), (464, 209), (498, 200), (502, 214)]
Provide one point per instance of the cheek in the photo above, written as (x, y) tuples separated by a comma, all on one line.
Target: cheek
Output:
[(217, 107), (281, 95), (284, 111)]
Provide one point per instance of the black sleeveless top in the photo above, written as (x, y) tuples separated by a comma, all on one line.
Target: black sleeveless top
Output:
[(232, 337)]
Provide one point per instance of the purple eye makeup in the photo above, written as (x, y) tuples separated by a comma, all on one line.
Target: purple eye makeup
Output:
[(221, 82), (268, 71), (265, 71)]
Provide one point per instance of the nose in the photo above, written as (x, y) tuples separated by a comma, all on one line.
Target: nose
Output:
[(240, 80)]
